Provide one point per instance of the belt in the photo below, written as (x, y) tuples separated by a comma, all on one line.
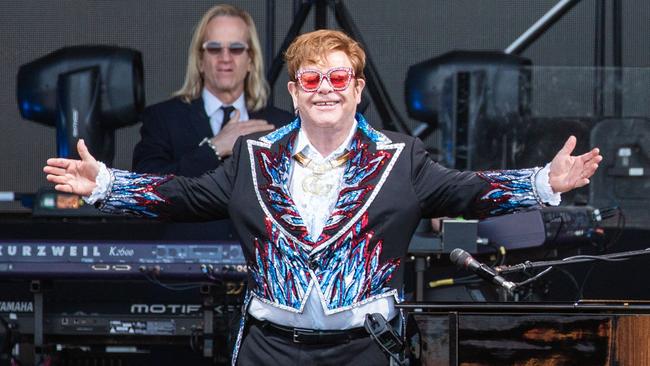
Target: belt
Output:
[(310, 336)]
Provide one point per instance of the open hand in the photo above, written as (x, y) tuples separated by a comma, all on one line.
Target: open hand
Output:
[(71, 175), (225, 139), (568, 172)]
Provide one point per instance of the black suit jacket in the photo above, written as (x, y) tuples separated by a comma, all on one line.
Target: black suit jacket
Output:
[(389, 184), (170, 136)]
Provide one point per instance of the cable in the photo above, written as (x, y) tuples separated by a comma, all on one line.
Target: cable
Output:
[(596, 258), (535, 277), (455, 281), (174, 287), (620, 226), (6, 344), (392, 355), (502, 251), (194, 340), (572, 278), (584, 282)]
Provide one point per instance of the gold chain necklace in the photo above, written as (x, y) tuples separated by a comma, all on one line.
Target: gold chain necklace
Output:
[(314, 182)]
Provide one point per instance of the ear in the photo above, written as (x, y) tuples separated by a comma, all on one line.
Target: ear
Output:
[(200, 64), (293, 91), (358, 87)]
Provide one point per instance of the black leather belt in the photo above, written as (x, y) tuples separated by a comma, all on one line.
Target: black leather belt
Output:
[(310, 336)]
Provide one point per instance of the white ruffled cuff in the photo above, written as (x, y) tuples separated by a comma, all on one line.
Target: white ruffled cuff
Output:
[(103, 181), (543, 187)]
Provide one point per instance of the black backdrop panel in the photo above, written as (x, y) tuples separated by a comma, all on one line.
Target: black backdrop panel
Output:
[(399, 34), (624, 178)]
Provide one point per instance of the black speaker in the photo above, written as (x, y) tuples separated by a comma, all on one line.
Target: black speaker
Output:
[(86, 92), (623, 177), (477, 99)]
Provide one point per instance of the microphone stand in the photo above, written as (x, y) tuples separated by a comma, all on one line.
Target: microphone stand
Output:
[(614, 257)]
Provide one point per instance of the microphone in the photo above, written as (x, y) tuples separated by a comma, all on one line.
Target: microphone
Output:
[(464, 260)]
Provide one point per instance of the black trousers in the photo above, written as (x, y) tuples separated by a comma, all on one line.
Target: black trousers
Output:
[(260, 347)]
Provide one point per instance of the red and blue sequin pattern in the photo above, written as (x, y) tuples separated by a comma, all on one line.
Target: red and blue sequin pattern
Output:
[(348, 273), (362, 168), (275, 170), (510, 190), (276, 135), (134, 194), (281, 269)]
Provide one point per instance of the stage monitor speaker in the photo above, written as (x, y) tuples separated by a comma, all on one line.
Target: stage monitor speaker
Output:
[(623, 177)]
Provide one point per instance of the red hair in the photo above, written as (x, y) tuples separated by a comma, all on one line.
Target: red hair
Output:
[(313, 47)]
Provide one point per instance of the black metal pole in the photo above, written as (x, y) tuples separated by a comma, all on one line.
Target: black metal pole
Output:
[(382, 101), (270, 42), (617, 49), (320, 14), (294, 29), (600, 22), (542, 25)]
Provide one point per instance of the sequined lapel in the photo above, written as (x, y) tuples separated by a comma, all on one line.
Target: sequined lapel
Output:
[(359, 180), (373, 156), (270, 162)]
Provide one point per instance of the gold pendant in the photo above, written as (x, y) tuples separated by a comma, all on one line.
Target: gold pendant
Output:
[(314, 184)]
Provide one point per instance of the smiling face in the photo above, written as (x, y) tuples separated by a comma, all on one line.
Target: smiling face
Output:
[(327, 108), (224, 74)]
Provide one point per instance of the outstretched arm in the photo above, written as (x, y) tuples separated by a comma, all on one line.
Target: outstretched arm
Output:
[(71, 175), (145, 195), (569, 172), (447, 192)]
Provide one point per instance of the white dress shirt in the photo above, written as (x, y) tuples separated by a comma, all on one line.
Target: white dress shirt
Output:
[(212, 106)]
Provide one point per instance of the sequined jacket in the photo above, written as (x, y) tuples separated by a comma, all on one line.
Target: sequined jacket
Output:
[(390, 183)]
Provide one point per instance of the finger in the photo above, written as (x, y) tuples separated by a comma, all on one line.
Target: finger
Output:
[(235, 116), (247, 128), (258, 121), (251, 129), (84, 154), (596, 159), (58, 162), (569, 145), (57, 179), (54, 170), (63, 188), (590, 154), (588, 160)]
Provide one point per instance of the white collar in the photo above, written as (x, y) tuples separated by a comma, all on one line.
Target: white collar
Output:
[(212, 104), (303, 145)]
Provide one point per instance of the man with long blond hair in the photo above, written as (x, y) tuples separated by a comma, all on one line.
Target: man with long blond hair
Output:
[(325, 208), (194, 131)]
